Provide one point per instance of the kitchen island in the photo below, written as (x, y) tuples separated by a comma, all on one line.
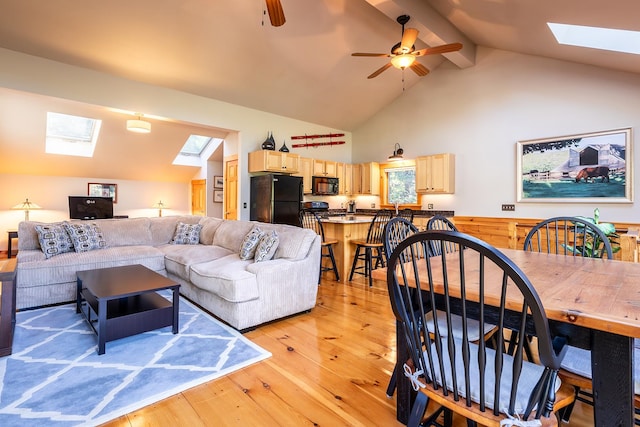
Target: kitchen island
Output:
[(345, 229)]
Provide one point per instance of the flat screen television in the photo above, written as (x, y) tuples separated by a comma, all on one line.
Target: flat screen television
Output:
[(90, 207)]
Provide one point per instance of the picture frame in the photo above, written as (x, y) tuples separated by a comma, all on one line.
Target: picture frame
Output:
[(218, 196), (218, 182), (592, 168), (103, 190)]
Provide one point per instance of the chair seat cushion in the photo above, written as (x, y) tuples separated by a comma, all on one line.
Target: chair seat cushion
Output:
[(530, 375), (473, 328), (578, 361)]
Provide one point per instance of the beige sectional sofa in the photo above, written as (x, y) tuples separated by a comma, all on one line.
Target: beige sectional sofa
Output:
[(243, 293)]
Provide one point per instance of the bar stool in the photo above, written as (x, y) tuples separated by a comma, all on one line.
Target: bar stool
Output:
[(374, 241), (310, 220)]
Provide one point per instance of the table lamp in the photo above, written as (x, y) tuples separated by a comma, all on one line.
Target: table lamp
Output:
[(160, 206), (26, 206)]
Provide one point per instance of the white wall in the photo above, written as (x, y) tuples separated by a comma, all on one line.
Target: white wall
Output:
[(247, 127), (134, 198), (480, 113)]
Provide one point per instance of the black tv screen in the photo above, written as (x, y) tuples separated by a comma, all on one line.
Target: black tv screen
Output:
[(90, 207)]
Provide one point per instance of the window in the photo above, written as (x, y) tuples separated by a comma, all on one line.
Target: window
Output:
[(401, 185), (195, 145), (596, 37), (71, 135)]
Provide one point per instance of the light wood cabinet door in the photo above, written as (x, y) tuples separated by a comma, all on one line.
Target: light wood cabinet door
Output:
[(356, 179), (306, 172), (370, 178), (435, 174), (346, 188), (273, 161), (325, 168)]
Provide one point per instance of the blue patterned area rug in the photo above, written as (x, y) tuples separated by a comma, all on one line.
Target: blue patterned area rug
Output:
[(56, 378)]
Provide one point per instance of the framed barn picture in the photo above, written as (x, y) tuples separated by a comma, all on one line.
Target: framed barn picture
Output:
[(103, 190), (584, 168)]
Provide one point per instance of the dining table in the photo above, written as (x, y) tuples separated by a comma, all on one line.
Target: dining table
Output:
[(593, 302)]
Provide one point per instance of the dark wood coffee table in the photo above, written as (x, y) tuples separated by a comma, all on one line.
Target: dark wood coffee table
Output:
[(123, 301)]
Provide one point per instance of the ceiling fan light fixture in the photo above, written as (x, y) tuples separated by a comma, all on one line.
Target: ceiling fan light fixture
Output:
[(397, 153), (403, 61), (138, 125)]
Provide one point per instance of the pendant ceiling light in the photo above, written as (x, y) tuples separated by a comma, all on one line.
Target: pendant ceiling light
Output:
[(138, 125)]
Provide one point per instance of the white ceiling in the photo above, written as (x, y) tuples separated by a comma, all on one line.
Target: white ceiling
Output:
[(304, 69)]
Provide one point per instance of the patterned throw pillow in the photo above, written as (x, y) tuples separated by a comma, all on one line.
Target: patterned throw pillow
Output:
[(267, 247), (250, 243), (186, 234), (54, 239), (85, 236)]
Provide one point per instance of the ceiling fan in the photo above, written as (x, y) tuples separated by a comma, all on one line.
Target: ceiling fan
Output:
[(404, 55), (276, 14)]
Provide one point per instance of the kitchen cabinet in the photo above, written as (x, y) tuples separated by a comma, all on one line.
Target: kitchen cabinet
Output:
[(435, 174), (325, 168), (306, 172), (366, 178), (273, 161), (345, 178)]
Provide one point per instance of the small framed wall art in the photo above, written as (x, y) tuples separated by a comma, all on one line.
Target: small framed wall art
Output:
[(217, 196), (103, 190), (218, 182)]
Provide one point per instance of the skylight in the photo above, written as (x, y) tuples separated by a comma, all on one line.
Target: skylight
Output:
[(596, 37), (71, 135), (195, 145)]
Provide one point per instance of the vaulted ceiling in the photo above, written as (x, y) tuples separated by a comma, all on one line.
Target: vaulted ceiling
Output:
[(227, 50)]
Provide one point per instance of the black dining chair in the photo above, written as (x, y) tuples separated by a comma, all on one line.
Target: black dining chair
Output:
[(471, 379), (406, 213), (373, 242), (570, 236), (310, 219), (440, 222), (396, 231)]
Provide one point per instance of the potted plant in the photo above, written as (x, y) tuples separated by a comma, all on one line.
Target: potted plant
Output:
[(592, 245)]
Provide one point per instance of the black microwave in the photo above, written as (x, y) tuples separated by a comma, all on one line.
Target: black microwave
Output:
[(324, 186)]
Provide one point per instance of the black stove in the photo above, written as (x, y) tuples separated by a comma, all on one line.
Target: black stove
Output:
[(316, 206)]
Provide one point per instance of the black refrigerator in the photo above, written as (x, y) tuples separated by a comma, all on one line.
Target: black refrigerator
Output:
[(276, 199)]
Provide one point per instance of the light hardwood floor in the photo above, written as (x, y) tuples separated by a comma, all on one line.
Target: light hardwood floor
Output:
[(329, 367)]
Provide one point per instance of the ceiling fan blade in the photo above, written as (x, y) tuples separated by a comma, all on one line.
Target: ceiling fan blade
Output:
[(445, 48), (276, 14), (377, 55), (377, 72), (408, 39), (419, 69)]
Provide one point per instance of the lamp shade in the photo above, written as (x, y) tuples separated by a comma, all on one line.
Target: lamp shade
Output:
[(26, 206), (139, 126), (403, 61), (160, 205)]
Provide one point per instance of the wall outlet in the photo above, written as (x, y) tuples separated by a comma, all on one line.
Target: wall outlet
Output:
[(509, 208), (244, 205), (341, 205), (430, 206), (373, 205)]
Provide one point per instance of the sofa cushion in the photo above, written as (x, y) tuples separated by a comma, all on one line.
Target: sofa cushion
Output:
[(85, 236), (186, 234), (35, 270), (179, 258), (209, 227), (295, 242), (125, 231), (267, 247), (226, 278), (250, 243), (54, 239), (28, 235), (230, 233), (163, 228)]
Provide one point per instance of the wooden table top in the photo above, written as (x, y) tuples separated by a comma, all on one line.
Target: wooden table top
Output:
[(598, 294), (123, 281)]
